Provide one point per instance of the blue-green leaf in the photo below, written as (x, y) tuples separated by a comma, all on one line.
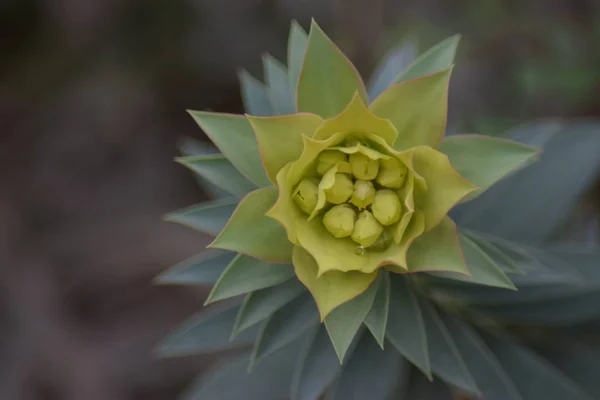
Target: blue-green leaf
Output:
[(261, 304), (278, 87), (234, 136), (534, 377), (245, 274), (284, 326), (297, 42), (254, 95), (230, 380), (202, 269), (491, 379), (219, 171), (446, 361), (343, 322), (371, 373), (393, 63), (209, 217), (437, 58), (377, 318), (205, 332), (405, 327), (317, 367)]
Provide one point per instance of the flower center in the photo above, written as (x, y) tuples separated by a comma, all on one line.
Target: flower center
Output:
[(361, 199)]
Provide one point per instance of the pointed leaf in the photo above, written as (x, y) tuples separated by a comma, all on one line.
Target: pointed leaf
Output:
[(219, 171), (484, 271), (437, 58), (533, 376), (328, 80), (333, 288), (405, 328), (251, 232), (438, 250), (280, 94), (209, 217), (192, 147), (261, 304), (284, 326), (417, 108), (394, 62), (254, 95), (491, 379), (343, 322), (485, 160), (377, 318), (233, 135), (297, 42), (269, 381), (419, 387), (280, 138), (371, 373), (202, 269), (245, 274), (317, 367), (206, 332), (500, 257), (446, 361)]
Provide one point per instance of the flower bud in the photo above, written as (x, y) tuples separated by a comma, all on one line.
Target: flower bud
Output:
[(341, 189), (363, 167), (339, 221), (306, 195), (363, 194), (392, 174), (386, 207), (366, 229), (327, 159)]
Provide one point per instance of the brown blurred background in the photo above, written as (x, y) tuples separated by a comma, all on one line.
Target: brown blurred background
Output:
[(92, 105)]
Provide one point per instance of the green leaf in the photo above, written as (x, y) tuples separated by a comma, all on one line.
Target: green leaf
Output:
[(377, 318), (500, 257), (280, 138), (405, 327), (490, 377), (284, 326), (484, 271), (297, 42), (230, 380), (233, 135), (206, 332), (328, 80), (332, 288), (254, 95), (569, 164), (485, 160), (438, 250), (192, 147), (261, 304), (439, 57), (534, 377), (419, 387), (219, 171), (317, 367), (394, 62), (371, 373), (251, 232), (245, 274), (417, 108), (343, 322), (446, 361), (202, 269), (278, 87), (209, 217)]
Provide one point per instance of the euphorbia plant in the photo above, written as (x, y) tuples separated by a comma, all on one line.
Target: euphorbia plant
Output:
[(345, 195)]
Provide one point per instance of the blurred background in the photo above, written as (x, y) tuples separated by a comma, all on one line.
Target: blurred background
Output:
[(92, 107)]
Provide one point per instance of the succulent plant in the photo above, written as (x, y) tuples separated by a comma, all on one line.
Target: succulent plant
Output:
[(332, 219)]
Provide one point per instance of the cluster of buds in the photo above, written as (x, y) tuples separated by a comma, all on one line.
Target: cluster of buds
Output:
[(361, 190)]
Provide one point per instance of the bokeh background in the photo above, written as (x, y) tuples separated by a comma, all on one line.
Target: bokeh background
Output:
[(92, 107)]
